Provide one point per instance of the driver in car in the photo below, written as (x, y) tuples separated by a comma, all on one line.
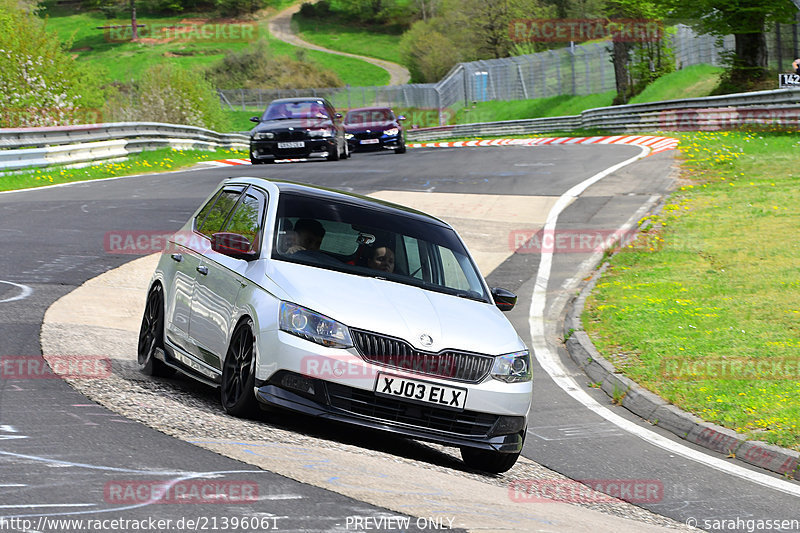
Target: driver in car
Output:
[(308, 235)]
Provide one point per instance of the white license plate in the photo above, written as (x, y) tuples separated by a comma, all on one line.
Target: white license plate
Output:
[(293, 144), (421, 391), (370, 141)]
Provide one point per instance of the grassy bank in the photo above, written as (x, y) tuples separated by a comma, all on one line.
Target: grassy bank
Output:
[(691, 82), (349, 36), (123, 61), (162, 160), (706, 315)]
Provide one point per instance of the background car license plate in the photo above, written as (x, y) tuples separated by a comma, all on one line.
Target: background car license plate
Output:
[(293, 144), (370, 141), (421, 391)]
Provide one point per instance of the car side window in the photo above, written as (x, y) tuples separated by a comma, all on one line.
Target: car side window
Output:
[(248, 218), (215, 213)]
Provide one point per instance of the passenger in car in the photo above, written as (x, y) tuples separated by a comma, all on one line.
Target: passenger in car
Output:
[(308, 234), (381, 257)]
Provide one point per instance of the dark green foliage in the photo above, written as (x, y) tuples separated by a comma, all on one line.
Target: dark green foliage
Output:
[(256, 68)]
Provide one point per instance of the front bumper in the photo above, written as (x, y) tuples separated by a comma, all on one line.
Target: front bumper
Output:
[(357, 143), (268, 149), (340, 403)]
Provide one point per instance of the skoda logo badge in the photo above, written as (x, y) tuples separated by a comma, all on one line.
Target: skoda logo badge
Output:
[(425, 339)]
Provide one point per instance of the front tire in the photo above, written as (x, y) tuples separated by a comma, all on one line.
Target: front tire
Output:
[(400, 149), (335, 154), (488, 460), (151, 335), (238, 373)]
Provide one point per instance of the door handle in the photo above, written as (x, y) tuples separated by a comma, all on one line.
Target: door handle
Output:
[(177, 257), (203, 270)]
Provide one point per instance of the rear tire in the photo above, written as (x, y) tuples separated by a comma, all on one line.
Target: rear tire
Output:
[(488, 460), (238, 373), (151, 335)]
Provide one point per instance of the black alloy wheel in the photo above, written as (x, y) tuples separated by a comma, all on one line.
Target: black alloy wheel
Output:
[(151, 335), (238, 373)]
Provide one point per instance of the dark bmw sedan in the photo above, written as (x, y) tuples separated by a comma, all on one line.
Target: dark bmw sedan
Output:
[(374, 128), (294, 128)]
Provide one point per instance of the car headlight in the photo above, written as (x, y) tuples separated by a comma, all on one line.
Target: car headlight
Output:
[(348, 136), (513, 367), (320, 133), (391, 132), (314, 327), (265, 135)]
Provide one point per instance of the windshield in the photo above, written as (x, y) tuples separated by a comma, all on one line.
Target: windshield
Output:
[(373, 242), (295, 110), (368, 116)]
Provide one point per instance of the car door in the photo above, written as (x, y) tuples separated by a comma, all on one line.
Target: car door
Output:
[(186, 251), (220, 278)]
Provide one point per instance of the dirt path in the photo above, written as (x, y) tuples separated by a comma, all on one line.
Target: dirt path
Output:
[(280, 28)]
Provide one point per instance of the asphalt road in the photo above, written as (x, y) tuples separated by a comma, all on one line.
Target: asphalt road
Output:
[(57, 449)]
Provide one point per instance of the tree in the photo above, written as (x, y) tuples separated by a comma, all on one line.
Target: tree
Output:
[(40, 83), (746, 20)]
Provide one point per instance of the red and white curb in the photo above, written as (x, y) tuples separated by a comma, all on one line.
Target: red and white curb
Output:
[(655, 143), (227, 162)]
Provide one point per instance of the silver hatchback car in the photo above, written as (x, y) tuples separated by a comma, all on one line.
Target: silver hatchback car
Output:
[(343, 307)]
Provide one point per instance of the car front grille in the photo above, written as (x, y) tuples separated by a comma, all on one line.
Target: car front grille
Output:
[(294, 135), (396, 353), (367, 403)]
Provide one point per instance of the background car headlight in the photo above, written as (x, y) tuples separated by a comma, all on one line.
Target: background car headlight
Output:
[(348, 136), (513, 367), (320, 133), (391, 132), (265, 135), (314, 327)]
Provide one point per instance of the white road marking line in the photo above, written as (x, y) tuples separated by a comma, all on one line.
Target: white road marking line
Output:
[(25, 291), (550, 362)]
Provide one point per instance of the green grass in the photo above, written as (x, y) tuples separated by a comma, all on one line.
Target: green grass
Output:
[(553, 106), (715, 281), (343, 35), (691, 82), (161, 160), (125, 61)]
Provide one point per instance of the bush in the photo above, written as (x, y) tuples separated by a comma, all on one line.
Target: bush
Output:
[(256, 68), (40, 84), (428, 53), (167, 93)]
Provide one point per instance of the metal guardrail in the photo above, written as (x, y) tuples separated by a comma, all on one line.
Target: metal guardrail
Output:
[(780, 108), (71, 145), (38, 147)]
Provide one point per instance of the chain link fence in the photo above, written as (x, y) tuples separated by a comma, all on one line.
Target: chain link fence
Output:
[(579, 70)]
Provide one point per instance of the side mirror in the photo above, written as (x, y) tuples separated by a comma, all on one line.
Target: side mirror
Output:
[(233, 245), (504, 299), (401, 117), (255, 119)]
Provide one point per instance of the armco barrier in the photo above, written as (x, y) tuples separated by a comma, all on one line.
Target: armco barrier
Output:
[(780, 108), (70, 145), (37, 147)]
